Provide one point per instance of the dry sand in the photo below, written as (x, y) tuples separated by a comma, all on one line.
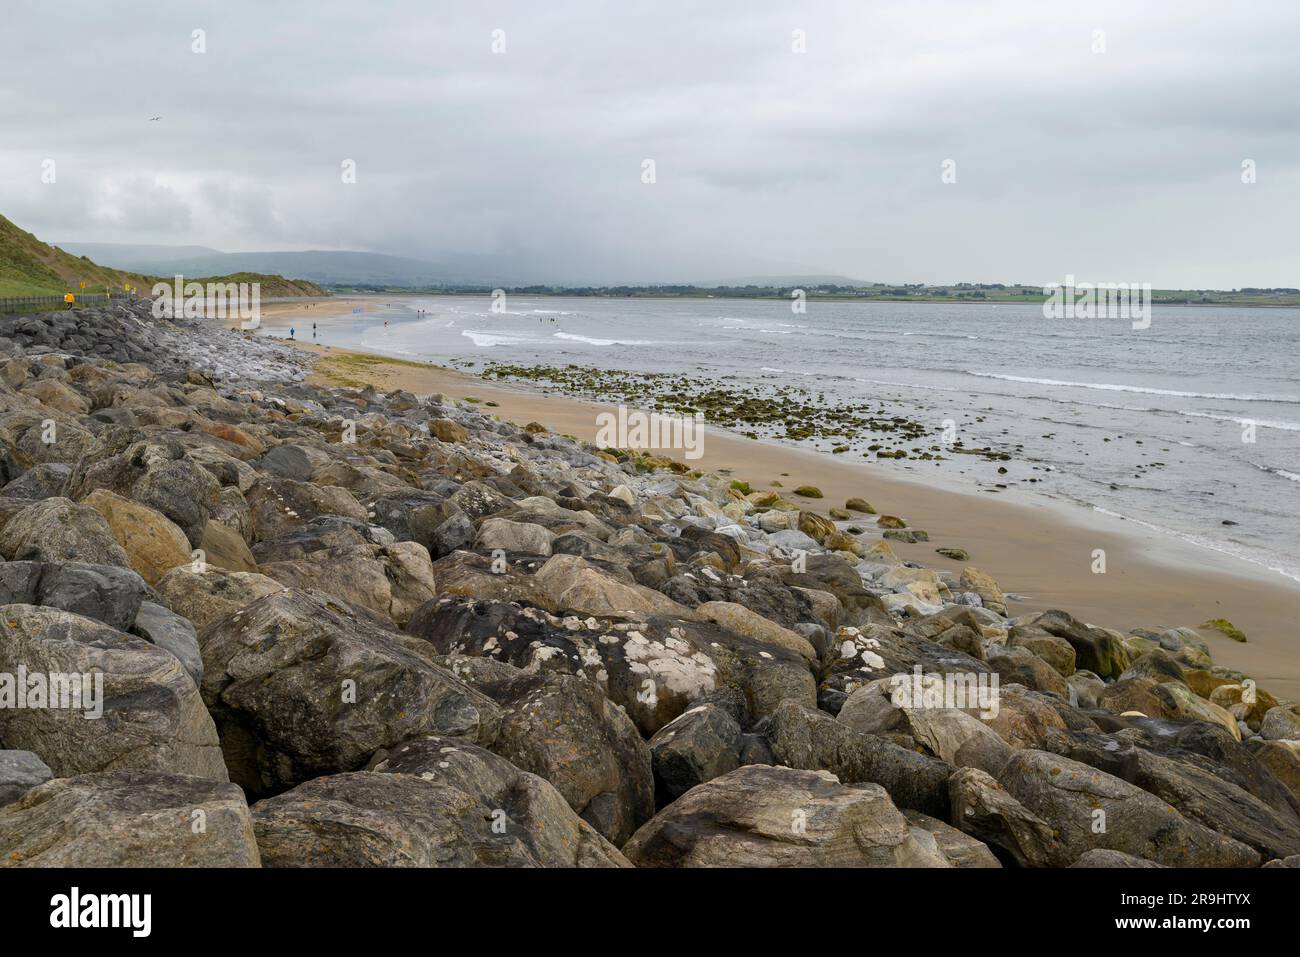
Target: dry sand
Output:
[(1040, 552)]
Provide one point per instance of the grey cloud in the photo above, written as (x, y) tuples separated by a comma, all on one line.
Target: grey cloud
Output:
[(1067, 160)]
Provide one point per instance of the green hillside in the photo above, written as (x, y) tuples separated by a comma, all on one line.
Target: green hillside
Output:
[(29, 267)]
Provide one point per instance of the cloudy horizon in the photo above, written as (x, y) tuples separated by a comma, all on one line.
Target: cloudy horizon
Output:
[(1090, 140)]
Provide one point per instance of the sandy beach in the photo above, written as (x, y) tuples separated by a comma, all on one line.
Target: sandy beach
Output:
[(1040, 551)]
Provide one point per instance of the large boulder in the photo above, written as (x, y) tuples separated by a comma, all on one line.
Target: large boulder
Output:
[(225, 547), (1016, 664), (476, 576), (986, 810), (1280, 724), (137, 707), (182, 490), (761, 816), (410, 514), (322, 532), (106, 593), (154, 545), (700, 744), (831, 574), (956, 736), (300, 687), (742, 621), (1221, 798), (572, 584), (859, 656), (563, 728), (1182, 704), (47, 480), (295, 462), (655, 669), (129, 819), (431, 802), (1026, 718), (959, 848), (1091, 809), (524, 537), (212, 594), (392, 580), (1282, 759), (1096, 650), (802, 737), (57, 529), (1055, 651), (157, 474), (277, 506), (57, 395), (762, 592), (982, 584)]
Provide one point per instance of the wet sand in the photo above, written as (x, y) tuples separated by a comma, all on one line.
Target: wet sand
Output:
[(1041, 552)]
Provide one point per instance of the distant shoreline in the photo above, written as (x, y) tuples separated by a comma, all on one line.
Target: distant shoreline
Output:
[(810, 297)]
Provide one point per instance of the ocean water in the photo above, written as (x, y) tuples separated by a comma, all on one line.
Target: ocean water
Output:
[(1179, 426)]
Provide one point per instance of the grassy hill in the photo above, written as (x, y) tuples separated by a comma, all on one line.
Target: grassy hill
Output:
[(29, 267)]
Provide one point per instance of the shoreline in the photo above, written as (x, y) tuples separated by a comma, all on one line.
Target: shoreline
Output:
[(1040, 551)]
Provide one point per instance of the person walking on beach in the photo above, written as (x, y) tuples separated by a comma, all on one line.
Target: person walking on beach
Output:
[(313, 330), (291, 332)]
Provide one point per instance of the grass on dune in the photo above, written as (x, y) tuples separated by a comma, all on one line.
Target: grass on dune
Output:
[(29, 267)]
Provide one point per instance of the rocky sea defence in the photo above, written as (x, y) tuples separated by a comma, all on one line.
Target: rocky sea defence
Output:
[(333, 627)]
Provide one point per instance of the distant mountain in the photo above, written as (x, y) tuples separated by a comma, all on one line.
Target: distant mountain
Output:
[(136, 257), (347, 268), (318, 265)]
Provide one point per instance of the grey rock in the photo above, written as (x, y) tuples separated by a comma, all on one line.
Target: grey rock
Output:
[(300, 687), (1091, 809), (955, 736), (698, 745), (20, 771), (759, 816), (129, 818), (152, 716), (46, 480), (169, 631), (803, 737), (57, 529), (984, 809), (959, 848), (103, 592), (525, 537), (455, 533), (563, 728), (431, 802), (295, 462), (1280, 724)]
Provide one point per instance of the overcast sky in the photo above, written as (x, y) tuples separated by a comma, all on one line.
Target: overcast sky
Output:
[(1122, 165)]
